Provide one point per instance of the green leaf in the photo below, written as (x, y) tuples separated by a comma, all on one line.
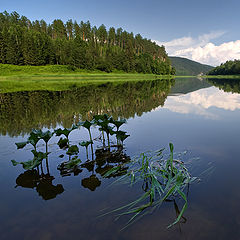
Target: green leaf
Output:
[(103, 117), (86, 124), (72, 163), (31, 164), (121, 135), (73, 150), (14, 162), (63, 143), (119, 123), (21, 144), (64, 131), (111, 171), (46, 136), (85, 143), (34, 137), (171, 147)]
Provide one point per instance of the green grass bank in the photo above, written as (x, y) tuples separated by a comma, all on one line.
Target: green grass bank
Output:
[(58, 77)]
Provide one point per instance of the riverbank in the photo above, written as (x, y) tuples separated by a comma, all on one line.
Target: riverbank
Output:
[(57, 78)]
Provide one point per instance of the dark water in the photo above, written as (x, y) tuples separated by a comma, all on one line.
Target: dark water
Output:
[(194, 115)]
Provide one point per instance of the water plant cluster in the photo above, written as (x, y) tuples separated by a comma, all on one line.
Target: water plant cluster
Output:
[(162, 178), (107, 126)]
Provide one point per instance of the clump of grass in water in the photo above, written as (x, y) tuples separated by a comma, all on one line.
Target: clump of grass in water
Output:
[(162, 179)]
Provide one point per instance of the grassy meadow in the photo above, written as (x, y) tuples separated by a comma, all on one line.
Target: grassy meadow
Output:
[(58, 77)]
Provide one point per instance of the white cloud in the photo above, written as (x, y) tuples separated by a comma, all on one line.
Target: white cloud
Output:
[(202, 101), (202, 50)]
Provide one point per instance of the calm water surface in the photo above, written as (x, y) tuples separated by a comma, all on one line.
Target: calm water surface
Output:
[(194, 115)]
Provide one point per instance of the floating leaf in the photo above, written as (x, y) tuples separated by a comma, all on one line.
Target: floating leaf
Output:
[(73, 150), (75, 161), (60, 131), (85, 143), (71, 166)]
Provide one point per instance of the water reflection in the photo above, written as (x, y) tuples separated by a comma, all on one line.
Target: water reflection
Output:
[(203, 102), (187, 85), (22, 111), (204, 218), (105, 160), (227, 85), (42, 183), (91, 182)]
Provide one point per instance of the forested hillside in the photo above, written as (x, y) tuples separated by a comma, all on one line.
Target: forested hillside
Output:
[(228, 68), (186, 67), (25, 42)]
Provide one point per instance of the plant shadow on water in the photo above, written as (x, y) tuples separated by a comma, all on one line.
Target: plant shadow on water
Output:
[(162, 177)]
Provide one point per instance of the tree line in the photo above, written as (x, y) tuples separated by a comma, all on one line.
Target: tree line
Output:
[(227, 68), (80, 45)]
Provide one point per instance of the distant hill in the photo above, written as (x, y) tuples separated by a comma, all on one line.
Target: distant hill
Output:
[(186, 67), (187, 85)]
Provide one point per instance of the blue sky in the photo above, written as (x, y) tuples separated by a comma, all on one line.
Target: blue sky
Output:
[(205, 31)]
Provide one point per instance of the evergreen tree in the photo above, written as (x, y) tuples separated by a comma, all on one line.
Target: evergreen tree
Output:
[(80, 45)]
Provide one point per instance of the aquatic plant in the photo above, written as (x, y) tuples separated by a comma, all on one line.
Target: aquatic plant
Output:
[(35, 162), (63, 143), (97, 119), (45, 136), (32, 139), (86, 124), (162, 179), (121, 136), (118, 123), (108, 130), (103, 121), (86, 144), (72, 150), (69, 167), (65, 131)]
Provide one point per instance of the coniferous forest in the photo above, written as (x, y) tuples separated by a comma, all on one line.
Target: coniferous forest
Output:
[(80, 45)]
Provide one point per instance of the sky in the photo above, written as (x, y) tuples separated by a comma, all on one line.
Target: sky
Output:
[(206, 31)]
